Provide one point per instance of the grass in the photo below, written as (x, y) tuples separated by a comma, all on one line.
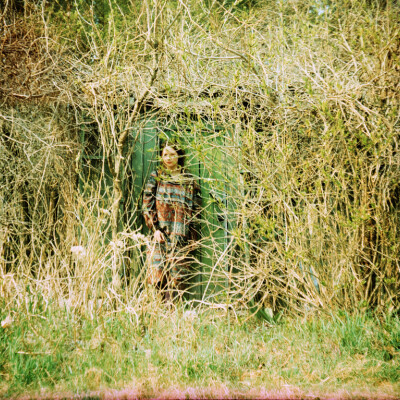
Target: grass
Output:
[(197, 353)]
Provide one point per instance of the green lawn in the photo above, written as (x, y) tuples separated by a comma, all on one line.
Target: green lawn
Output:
[(197, 353)]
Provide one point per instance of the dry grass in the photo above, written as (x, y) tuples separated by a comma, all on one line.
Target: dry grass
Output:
[(308, 160)]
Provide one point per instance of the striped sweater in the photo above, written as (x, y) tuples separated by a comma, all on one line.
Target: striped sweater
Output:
[(172, 204)]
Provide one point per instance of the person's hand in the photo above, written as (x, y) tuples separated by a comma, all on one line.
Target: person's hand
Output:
[(158, 236)]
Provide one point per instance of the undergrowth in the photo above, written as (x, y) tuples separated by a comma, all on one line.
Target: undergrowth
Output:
[(290, 111)]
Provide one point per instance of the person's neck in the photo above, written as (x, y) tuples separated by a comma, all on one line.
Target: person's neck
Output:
[(173, 172)]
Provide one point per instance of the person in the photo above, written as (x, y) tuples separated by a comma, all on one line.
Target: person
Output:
[(171, 208)]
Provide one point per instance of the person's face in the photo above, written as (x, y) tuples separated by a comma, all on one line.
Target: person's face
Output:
[(170, 157)]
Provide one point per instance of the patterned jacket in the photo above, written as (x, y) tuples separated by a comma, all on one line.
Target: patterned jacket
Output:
[(172, 204)]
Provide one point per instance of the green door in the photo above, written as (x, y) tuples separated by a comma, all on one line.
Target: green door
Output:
[(143, 144), (216, 177)]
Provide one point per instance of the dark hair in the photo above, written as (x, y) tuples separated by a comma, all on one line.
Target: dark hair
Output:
[(178, 149)]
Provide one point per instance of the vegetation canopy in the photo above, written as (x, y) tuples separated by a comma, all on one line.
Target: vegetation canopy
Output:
[(287, 111)]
